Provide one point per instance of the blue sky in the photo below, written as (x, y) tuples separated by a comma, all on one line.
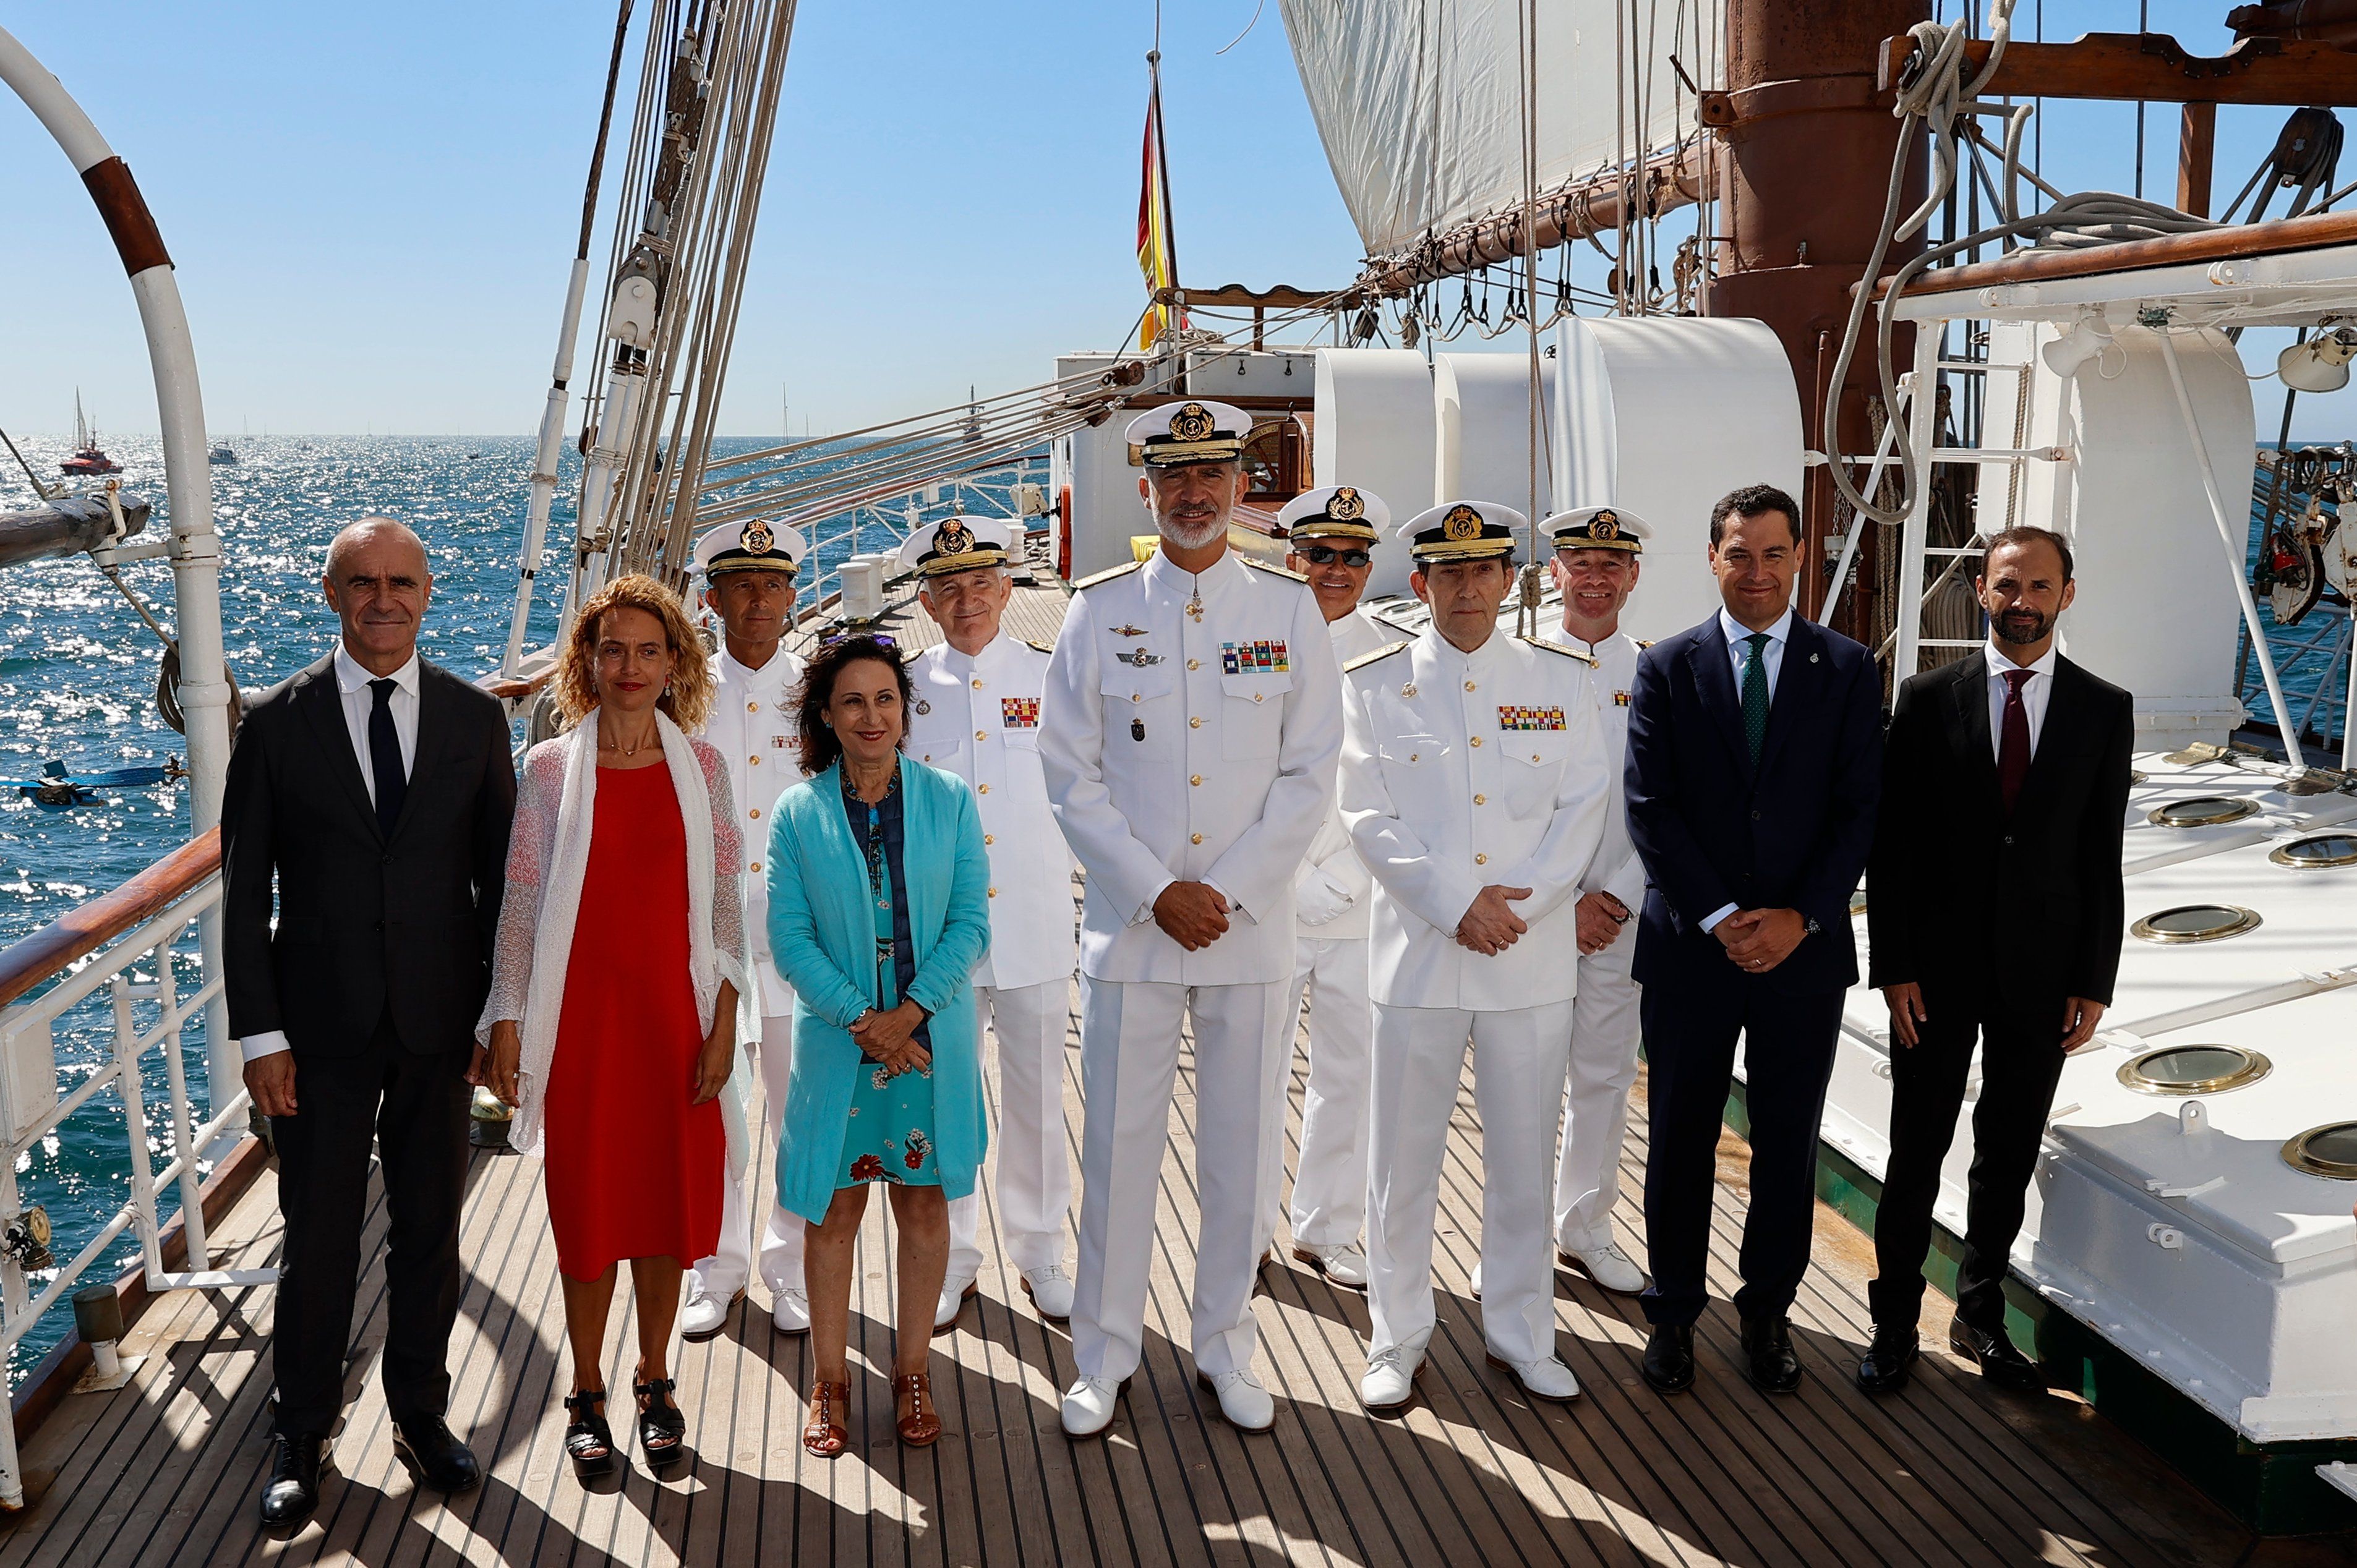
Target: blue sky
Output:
[(372, 206)]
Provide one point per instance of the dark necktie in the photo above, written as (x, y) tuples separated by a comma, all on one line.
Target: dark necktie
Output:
[(2013, 739), (385, 756), (1755, 695)]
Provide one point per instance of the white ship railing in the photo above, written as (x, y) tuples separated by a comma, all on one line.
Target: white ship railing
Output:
[(124, 946)]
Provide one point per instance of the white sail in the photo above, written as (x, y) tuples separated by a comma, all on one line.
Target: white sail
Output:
[(1420, 102)]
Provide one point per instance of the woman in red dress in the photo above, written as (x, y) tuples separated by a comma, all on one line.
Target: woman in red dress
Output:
[(612, 1015)]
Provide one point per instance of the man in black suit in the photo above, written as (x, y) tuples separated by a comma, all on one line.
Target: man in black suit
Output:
[(1754, 760), (1993, 910), (371, 793)]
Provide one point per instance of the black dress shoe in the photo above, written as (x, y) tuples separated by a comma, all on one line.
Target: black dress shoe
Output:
[(1999, 1362), (1769, 1359), (291, 1494), (1888, 1356), (441, 1461), (1669, 1364)]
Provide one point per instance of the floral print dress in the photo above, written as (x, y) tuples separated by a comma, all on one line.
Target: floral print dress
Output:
[(891, 1138)]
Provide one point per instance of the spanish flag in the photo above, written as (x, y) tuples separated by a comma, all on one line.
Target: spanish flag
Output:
[(1156, 258)]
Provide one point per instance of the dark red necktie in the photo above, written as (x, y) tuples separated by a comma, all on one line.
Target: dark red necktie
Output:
[(2013, 742)]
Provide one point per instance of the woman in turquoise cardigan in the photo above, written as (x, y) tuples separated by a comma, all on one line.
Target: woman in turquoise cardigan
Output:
[(878, 910)]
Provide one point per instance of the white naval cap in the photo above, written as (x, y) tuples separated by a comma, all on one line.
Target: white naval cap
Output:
[(1598, 528), (959, 544), (1462, 531), (757, 545), (1195, 431), (1336, 510)]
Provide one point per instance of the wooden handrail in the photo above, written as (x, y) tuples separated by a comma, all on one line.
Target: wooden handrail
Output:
[(84, 929), (2313, 231)]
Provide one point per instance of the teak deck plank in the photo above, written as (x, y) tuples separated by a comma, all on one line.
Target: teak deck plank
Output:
[(1950, 1473)]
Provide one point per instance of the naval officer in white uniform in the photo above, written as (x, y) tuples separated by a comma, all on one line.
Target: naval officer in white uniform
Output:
[(748, 574), (1474, 786), (1190, 729), (977, 714), (1332, 531), (1597, 552)]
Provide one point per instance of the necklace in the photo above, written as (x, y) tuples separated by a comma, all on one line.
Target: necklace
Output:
[(605, 745)]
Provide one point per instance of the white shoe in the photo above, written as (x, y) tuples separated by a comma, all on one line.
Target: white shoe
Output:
[(1544, 1379), (955, 1293), (1607, 1265), (1476, 1280), (1050, 1290), (789, 1310), (1345, 1266), (1390, 1382), (1243, 1401), (1088, 1406), (706, 1314)]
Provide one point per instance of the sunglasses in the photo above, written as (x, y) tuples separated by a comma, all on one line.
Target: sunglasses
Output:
[(1326, 555), (885, 639)]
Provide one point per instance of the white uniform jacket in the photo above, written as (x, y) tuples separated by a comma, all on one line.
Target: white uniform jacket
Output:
[(1197, 750), (753, 727), (978, 717), (1616, 869), (1460, 770), (1332, 895)]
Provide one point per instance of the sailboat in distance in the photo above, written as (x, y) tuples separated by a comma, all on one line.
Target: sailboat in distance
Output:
[(88, 457)]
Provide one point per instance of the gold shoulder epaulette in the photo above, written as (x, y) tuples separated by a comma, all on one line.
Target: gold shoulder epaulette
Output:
[(1042, 647), (1641, 642), (1258, 564), (1559, 647), (1107, 575), (1384, 652)]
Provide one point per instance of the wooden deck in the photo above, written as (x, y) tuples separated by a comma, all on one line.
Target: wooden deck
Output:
[(165, 1471)]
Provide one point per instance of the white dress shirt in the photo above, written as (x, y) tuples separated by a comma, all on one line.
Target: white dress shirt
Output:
[(2034, 694), (977, 715), (1740, 652), (359, 703), (1203, 749), (1333, 893), (1462, 771)]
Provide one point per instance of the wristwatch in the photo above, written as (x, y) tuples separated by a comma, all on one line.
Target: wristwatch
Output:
[(1809, 927)]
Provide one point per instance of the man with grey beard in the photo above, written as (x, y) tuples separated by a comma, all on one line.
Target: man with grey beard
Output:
[(1188, 728)]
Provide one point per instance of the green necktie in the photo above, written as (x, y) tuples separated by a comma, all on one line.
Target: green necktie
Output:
[(1755, 695)]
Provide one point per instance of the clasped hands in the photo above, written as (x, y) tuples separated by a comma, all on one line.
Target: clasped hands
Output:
[(888, 1037), (1756, 940)]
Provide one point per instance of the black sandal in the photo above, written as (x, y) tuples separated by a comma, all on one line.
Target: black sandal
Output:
[(662, 1426), (589, 1441)]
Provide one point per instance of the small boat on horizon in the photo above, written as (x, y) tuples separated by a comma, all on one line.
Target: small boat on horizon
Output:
[(223, 452), (88, 458)]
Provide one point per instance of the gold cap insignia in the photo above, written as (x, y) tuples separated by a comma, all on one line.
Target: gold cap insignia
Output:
[(952, 538), (1461, 523), (1604, 525), (756, 539), (1345, 505), (1191, 423)]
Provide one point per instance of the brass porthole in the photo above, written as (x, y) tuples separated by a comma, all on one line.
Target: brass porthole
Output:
[(2196, 923), (2315, 852), (2202, 812), (2194, 1069), (2327, 1151)]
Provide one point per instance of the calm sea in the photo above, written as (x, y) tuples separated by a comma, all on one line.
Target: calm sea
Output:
[(77, 681)]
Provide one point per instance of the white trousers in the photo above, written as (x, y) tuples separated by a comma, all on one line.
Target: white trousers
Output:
[(726, 1272), (1329, 1179), (1595, 1113), (1518, 1070), (1129, 1064), (1034, 1177)]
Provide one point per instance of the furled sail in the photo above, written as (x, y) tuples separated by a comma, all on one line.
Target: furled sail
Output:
[(1420, 102)]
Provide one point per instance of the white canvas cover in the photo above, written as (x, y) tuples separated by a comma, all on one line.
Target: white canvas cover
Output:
[(1420, 105)]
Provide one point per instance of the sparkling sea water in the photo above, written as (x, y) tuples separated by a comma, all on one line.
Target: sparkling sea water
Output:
[(77, 682)]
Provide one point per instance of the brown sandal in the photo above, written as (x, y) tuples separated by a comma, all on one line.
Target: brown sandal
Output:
[(824, 1434), (921, 1427)]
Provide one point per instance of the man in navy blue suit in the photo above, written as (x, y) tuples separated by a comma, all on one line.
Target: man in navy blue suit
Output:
[(1754, 762)]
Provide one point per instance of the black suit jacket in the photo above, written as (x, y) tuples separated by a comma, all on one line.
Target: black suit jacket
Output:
[(1712, 829), (1951, 871), (365, 923)]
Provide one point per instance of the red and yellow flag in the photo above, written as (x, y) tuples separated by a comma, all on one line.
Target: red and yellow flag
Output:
[(1156, 256)]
